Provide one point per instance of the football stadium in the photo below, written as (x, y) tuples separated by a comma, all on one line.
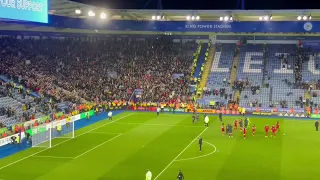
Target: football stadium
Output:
[(89, 93)]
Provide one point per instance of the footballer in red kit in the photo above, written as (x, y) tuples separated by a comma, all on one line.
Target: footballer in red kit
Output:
[(266, 129), (274, 130), (222, 129), (244, 133), (253, 130), (235, 125), (278, 126)]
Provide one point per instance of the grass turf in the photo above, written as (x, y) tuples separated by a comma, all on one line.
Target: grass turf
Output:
[(123, 149)]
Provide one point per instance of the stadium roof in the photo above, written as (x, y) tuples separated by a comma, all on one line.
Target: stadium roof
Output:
[(67, 8)]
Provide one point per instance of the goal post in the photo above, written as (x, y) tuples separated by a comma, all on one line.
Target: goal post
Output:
[(42, 136)]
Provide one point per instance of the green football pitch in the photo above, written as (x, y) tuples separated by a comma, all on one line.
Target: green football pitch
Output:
[(124, 148)]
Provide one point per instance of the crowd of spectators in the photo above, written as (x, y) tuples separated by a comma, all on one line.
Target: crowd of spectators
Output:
[(100, 69)]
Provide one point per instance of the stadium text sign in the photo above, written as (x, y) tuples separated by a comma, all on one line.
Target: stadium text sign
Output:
[(209, 111), (26, 10), (256, 58), (208, 26)]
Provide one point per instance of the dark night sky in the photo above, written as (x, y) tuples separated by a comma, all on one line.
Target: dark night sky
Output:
[(205, 4)]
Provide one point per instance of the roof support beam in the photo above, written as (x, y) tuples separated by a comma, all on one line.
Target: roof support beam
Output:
[(234, 16), (131, 15), (167, 17)]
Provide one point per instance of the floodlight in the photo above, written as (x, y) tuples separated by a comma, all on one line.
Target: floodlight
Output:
[(198, 17), (188, 17), (153, 17), (91, 14), (221, 18), (78, 11), (299, 18), (304, 17), (103, 16), (158, 17)]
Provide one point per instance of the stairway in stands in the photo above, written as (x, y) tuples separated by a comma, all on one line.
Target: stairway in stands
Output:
[(207, 68), (201, 59), (307, 95), (233, 74)]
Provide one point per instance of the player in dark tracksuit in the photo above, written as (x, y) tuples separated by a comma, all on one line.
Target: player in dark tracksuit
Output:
[(230, 131), (241, 124), (246, 122), (200, 143), (220, 117), (180, 176), (197, 118), (193, 118), (316, 124)]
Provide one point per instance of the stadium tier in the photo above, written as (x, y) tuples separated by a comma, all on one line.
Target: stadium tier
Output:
[(268, 75), (218, 84), (251, 64), (103, 70)]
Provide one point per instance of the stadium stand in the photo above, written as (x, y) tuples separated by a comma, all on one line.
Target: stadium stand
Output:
[(109, 69), (251, 64), (17, 107), (217, 87), (281, 76)]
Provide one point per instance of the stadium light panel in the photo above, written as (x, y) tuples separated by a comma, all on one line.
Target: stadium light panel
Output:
[(304, 17), (153, 17), (91, 14), (299, 18), (192, 17), (103, 16), (309, 17), (260, 18), (221, 18), (226, 18), (158, 17), (270, 17), (198, 18), (231, 18), (188, 17), (78, 11), (266, 18)]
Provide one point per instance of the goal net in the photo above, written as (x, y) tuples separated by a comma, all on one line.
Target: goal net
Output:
[(42, 136)]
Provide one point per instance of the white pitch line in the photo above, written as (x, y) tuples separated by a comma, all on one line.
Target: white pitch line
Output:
[(103, 133), (148, 124), (64, 142), (197, 157), (98, 146), (55, 157), (180, 154)]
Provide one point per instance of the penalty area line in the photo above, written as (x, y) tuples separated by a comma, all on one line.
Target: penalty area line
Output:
[(10, 164), (180, 154), (97, 146), (55, 157), (104, 133)]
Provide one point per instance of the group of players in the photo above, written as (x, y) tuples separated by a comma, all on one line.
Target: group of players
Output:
[(244, 125)]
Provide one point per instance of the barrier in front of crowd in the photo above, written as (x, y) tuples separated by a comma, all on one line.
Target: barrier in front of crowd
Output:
[(315, 116), (286, 112)]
